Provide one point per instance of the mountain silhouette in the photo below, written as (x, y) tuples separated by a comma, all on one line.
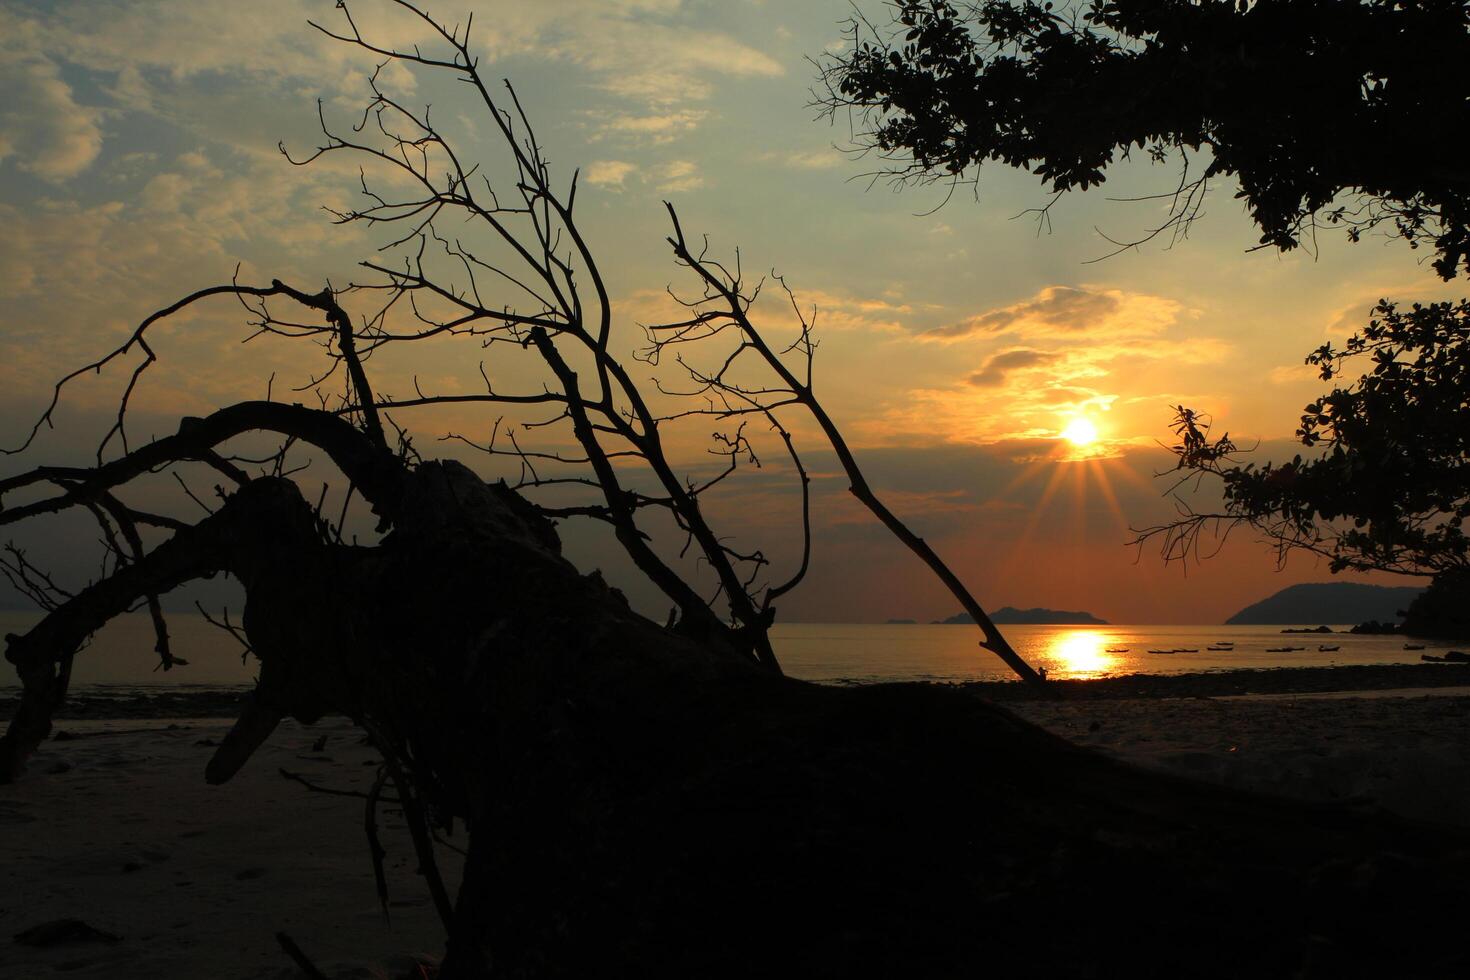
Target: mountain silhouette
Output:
[(1328, 602)]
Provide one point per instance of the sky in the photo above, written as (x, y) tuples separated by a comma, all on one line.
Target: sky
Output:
[(958, 339)]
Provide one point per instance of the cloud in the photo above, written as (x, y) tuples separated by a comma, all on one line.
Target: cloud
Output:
[(829, 311), (814, 160), (162, 43), (1284, 374), (42, 127), (1095, 344), (190, 223), (672, 177), (656, 128), (1351, 319), (1353, 315), (998, 367), (678, 176), (608, 173), (1068, 311), (656, 64), (149, 53)]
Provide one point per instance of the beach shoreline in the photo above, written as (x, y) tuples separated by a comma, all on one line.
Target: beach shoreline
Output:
[(1428, 677), (142, 702)]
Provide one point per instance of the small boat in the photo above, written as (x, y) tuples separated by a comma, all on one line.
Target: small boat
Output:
[(1412, 646), (1221, 649), (1187, 650), (1161, 651), (1328, 649), (1432, 659), (1283, 649), (1117, 649)]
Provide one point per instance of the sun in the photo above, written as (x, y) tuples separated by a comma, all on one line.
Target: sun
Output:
[(1080, 432)]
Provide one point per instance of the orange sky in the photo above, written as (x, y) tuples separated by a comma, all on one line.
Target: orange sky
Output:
[(138, 162)]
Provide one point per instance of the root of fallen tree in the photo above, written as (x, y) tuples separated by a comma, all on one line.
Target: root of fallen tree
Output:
[(643, 803)]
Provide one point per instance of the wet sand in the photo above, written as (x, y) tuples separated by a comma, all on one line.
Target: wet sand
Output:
[(1226, 683), (1406, 751), (115, 826), (1395, 736)]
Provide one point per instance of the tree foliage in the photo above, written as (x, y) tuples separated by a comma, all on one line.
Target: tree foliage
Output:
[(1335, 111), (1387, 484)]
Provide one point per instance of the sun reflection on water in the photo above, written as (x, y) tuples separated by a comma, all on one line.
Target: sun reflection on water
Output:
[(1080, 653)]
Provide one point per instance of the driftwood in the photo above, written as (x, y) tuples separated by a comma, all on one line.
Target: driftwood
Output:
[(639, 803)]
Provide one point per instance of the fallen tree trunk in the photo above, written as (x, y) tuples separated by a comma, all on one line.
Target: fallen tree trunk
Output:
[(642, 803)]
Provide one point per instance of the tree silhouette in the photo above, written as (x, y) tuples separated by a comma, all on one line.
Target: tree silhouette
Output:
[(1323, 112), (1388, 486)]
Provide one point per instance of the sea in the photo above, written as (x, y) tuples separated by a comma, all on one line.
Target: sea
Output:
[(120, 658)]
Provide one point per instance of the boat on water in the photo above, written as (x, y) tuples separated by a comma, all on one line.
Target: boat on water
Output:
[(1221, 649), (1328, 649), (1119, 650), (1283, 649), (1161, 651)]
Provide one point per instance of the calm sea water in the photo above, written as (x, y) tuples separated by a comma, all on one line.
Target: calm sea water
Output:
[(122, 653), (868, 653)]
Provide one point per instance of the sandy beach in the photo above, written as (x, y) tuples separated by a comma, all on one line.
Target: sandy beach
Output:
[(1405, 750), (116, 827)]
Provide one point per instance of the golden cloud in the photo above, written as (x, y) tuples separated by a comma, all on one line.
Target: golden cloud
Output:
[(608, 173), (1068, 311), (998, 367)]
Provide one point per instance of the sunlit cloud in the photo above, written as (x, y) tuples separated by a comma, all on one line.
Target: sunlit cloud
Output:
[(161, 43), (814, 160), (657, 64), (609, 173), (43, 129), (1034, 393), (998, 367), (678, 176), (661, 127), (825, 311), (1068, 311), (146, 55), (831, 310), (1293, 374), (1353, 316)]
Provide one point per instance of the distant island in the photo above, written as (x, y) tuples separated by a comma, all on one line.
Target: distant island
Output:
[(1328, 602), (1011, 616)]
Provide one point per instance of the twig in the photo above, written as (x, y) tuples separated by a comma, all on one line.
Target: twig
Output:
[(299, 958)]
